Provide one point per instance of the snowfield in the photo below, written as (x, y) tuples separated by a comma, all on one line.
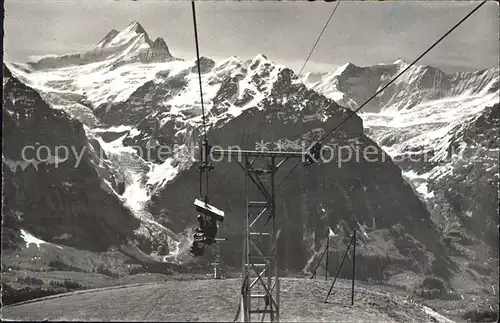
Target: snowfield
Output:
[(31, 239)]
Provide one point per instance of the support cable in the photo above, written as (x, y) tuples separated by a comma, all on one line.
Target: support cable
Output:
[(353, 239), (205, 149), (199, 70), (300, 72), (288, 174), (317, 40)]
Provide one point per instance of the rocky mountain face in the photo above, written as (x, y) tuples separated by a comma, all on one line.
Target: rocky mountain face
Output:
[(65, 199), (442, 131), (466, 183)]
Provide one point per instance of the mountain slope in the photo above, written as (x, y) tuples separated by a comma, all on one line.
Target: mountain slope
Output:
[(58, 184), (440, 129), (60, 200), (463, 187)]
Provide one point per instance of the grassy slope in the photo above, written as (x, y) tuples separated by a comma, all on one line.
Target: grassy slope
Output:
[(33, 263)]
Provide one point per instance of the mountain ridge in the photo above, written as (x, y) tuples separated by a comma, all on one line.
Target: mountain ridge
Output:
[(430, 82)]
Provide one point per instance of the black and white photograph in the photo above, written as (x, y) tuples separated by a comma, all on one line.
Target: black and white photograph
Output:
[(250, 161)]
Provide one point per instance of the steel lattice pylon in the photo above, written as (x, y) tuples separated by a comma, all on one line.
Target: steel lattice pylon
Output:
[(260, 292)]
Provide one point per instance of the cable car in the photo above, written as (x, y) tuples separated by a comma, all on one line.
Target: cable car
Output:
[(208, 221)]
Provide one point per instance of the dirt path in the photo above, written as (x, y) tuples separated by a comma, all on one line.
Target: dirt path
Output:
[(217, 300)]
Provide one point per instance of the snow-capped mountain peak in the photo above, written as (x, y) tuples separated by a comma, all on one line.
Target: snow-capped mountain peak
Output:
[(260, 57), (132, 44), (400, 61), (135, 26), (344, 68), (132, 32), (159, 44), (258, 60), (108, 38)]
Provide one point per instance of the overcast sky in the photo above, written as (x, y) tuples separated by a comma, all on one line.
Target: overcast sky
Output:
[(360, 32)]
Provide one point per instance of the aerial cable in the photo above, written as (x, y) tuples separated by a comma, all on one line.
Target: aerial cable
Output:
[(319, 37), (402, 72), (392, 81), (288, 174), (199, 70), (205, 148), (300, 72)]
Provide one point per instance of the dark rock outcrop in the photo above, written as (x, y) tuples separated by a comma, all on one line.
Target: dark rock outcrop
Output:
[(62, 201), (206, 65)]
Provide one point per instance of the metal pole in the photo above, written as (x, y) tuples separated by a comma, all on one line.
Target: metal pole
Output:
[(246, 296), (274, 242), (327, 231), (245, 303), (338, 270), (319, 263), (353, 266), (327, 247)]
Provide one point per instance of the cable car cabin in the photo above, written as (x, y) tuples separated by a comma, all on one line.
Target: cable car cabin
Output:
[(207, 231)]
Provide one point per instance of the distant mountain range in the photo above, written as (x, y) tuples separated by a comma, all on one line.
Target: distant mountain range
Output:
[(438, 127)]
